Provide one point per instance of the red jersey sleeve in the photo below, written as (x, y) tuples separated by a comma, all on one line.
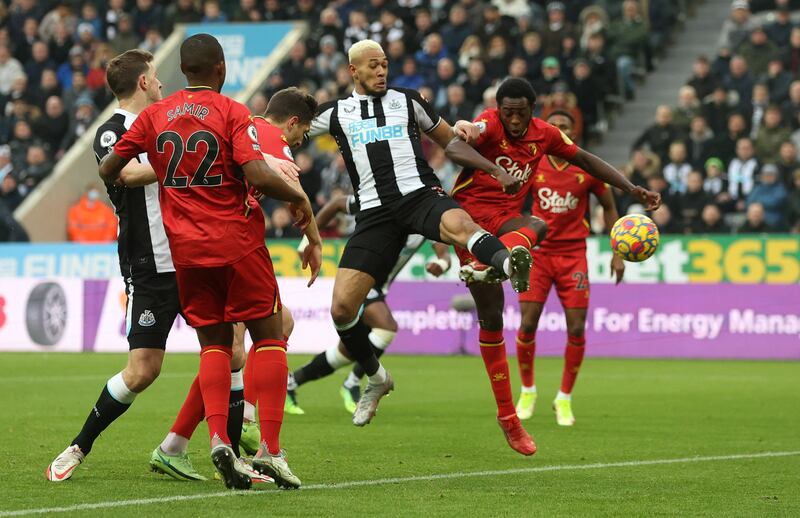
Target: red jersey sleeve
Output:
[(598, 187), (490, 127), (557, 143), (133, 141), (244, 136)]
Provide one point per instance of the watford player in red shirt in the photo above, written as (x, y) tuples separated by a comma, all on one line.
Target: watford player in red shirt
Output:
[(513, 139), (202, 146), (560, 193)]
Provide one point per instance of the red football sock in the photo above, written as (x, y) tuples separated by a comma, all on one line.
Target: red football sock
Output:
[(526, 350), (493, 352), (271, 371), (215, 385), (522, 236), (573, 357), (249, 390), (191, 413)]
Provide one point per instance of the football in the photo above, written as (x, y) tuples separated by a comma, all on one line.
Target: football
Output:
[(634, 237)]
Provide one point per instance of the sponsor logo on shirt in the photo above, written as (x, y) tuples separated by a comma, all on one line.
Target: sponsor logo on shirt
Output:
[(146, 319), (555, 203), (513, 168), (365, 132)]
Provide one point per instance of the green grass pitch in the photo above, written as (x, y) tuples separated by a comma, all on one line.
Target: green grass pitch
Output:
[(439, 421)]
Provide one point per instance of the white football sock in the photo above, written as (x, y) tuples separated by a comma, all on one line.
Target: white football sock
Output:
[(119, 390), (507, 266), (351, 381), (335, 358), (529, 390), (249, 412), (379, 377), (174, 444), (562, 395)]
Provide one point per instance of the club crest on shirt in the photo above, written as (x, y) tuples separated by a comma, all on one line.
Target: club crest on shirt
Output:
[(395, 104), (504, 144), (481, 124), (540, 178), (533, 149), (146, 319), (108, 138), (252, 133), (581, 178), (288, 152)]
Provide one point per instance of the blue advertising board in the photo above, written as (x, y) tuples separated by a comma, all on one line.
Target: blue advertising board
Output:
[(246, 47)]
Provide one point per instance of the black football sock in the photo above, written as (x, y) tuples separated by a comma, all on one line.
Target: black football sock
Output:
[(488, 250), (317, 368), (236, 411), (105, 411), (358, 372), (355, 337)]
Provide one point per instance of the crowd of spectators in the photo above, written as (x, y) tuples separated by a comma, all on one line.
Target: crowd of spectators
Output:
[(726, 156)]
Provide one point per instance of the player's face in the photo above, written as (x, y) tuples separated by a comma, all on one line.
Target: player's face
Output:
[(371, 72), (562, 123), (153, 85), (295, 132), (515, 114)]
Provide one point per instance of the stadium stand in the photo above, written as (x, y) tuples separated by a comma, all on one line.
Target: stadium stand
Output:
[(587, 57)]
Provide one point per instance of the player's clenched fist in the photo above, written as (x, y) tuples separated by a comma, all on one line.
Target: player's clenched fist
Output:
[(651, 200)]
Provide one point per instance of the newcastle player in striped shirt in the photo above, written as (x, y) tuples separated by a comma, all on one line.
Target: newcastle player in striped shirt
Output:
[(379, 131)]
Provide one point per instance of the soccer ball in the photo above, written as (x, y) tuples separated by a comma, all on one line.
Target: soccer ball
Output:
[(634, 237)]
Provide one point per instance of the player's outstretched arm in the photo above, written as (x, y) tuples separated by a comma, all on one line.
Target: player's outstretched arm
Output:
[(137, 175), (600, 169), (111, 166), (610, 216)]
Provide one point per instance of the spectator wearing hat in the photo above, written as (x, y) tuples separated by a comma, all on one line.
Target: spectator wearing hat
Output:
[(90, 220), (593, 20), (742, 172), (702, 80), (758, 51), (658, 136), (771, 134), (710, 221), (628, 39), (771, 194), (457, 29), (736, 28), (551, 74), (556, 29), (780, 30), (699, 142), (715, 183), (89, 21)]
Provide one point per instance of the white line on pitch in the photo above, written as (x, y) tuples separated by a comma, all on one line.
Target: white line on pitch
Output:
[(395, 480)]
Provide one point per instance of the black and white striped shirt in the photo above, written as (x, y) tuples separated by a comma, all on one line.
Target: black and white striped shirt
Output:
[(143, 245), (380, 141)]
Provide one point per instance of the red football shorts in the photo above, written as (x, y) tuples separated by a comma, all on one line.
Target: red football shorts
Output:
[(490, 218), (568, 271), (238, 292)]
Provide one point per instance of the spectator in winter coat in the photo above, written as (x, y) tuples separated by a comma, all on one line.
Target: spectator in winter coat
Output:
[(771, 194), (717, 109), (710, 221), (771, 135), (699, 143), (755, 223), (737, 27), (90, 220), (702, 80), (758, 52), (658, 136), (787, 163), (778, 81), (693, 200), (793, 204)]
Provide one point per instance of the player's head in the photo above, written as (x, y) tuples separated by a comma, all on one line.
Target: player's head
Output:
[(292, 111), (515, 102), (369, 67), (563, 121), (132, 73), (202, 61)]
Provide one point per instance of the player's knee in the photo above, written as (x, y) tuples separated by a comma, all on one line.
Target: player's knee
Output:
[(576, 329), (343, 313), (139, 377), (540, 227)]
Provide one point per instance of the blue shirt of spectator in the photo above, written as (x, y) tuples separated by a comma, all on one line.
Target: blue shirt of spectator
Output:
[(770, 193)]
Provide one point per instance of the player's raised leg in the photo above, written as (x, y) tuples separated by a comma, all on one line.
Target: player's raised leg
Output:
[(349, 291), (489, 302), (458, 228), (144, 366)]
